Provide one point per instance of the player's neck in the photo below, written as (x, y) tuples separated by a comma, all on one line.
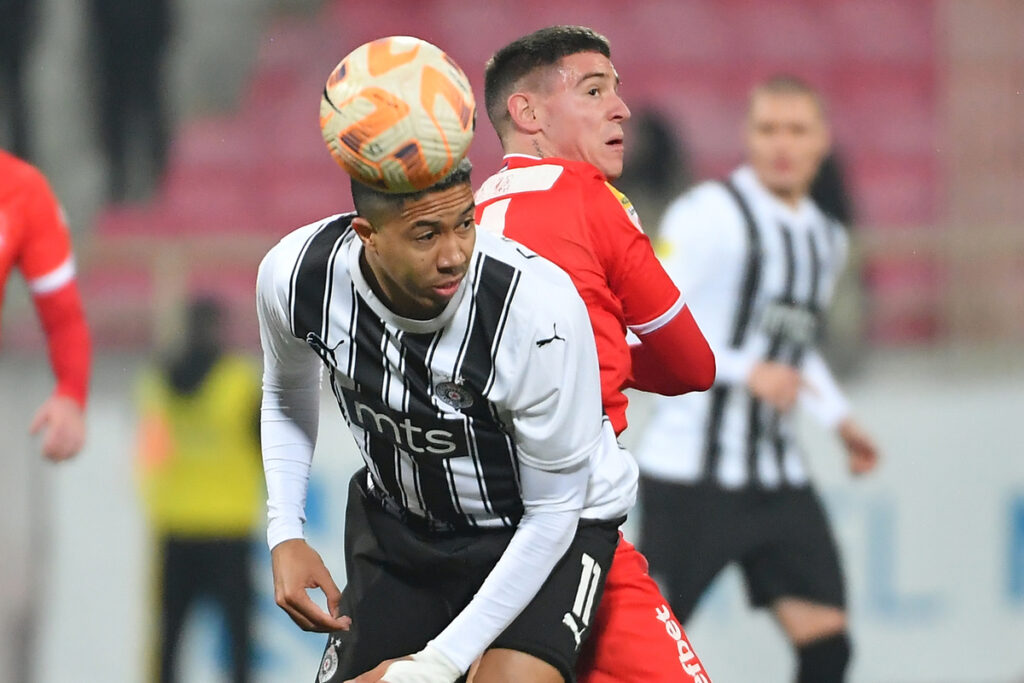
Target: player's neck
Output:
[(791, 197), (378, 284), (526, 146)]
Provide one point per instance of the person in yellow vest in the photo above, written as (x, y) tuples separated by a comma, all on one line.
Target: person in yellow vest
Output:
[(202, 483)]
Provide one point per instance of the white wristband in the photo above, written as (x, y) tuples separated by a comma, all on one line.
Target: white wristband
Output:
[(428, 665)]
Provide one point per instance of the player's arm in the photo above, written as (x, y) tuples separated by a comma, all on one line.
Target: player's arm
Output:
[(557, 423), (703, 248), (672, 357), (824, 399), (289, 419), (47, 263)]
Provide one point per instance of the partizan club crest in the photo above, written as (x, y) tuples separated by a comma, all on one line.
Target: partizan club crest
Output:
[(329, 664), (454, 394)]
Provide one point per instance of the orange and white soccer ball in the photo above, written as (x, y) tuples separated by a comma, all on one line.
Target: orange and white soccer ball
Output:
[(397, 114)]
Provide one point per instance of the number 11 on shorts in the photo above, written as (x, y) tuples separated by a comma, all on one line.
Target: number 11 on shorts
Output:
[(579, 618)]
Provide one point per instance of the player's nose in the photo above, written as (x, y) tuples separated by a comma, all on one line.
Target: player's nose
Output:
[(619, 111), (451, 254)]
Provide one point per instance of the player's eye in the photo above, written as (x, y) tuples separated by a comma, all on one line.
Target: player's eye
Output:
[(594, 92), (466, 224), (425, 237)]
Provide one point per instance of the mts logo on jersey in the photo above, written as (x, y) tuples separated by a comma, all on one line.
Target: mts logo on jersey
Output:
[(420, 436), (793, 322)]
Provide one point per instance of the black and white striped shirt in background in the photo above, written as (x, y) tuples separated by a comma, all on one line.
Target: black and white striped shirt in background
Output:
[(758, 276), (443, 410)]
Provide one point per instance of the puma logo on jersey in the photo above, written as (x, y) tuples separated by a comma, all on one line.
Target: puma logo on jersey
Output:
[(545, 342), (577, 629), (321, 349)]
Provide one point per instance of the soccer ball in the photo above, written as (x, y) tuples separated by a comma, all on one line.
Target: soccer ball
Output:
[(397, 114)]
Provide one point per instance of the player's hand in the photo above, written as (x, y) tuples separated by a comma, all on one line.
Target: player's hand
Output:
[(297, 567), (62, 422), (776, 384), (860, 447)]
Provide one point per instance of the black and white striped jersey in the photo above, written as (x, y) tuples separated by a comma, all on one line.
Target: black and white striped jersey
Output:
[(443, 410), (757, 275)]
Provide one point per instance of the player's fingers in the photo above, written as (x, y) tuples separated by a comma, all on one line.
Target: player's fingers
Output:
[(55, 444), (320, 621), (300, 620), (41, 417), (331, 591)]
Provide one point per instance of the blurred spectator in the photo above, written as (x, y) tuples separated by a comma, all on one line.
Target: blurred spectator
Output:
[(829, 190), (17, 19), (656, 167), (844, 328), (202, 482), (130, 38), (35, 239)]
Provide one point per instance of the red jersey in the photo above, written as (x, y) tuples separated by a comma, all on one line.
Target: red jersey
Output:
[(34, 238), (568, 213), (33, 235)]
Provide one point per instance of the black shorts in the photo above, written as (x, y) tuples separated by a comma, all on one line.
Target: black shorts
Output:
[(780, 538), (404, 587)]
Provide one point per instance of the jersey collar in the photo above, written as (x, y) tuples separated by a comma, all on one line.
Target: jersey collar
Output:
[(803, 216)]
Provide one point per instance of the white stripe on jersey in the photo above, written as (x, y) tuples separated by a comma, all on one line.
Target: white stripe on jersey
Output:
[(55, 279), (516, 180), (662, 320)]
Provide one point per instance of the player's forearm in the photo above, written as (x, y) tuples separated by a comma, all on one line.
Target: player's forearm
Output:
[(67, 340), (822, 396), (673, 359), (539, 542), (541, 539), (288, 423)]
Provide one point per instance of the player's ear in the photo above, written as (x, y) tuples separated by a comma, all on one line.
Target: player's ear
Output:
[(523, 111), (364, 230)]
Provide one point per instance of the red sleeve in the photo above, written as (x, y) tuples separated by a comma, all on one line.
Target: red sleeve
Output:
[(46, 262), (673, 356), (673, 359), (46, 244), (67, 340), (634, 273)]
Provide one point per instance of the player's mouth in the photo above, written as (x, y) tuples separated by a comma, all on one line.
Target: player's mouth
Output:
[(615, 143), (448, 288)]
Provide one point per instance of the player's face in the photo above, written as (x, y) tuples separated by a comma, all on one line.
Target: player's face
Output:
[(581, 113), (420, 255), (787, 139)]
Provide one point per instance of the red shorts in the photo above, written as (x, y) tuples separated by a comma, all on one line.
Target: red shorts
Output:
[(636, 638)]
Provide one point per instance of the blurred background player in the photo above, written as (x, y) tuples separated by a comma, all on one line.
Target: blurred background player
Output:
[(34, 239), (724, 479), (201, 480), (553, 99)]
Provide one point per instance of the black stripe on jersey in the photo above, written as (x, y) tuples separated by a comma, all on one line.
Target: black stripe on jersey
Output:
[(750, 286), (312, 276), (495, 285), (799, 350), (370, 373), (758, 407), (435, 486)]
